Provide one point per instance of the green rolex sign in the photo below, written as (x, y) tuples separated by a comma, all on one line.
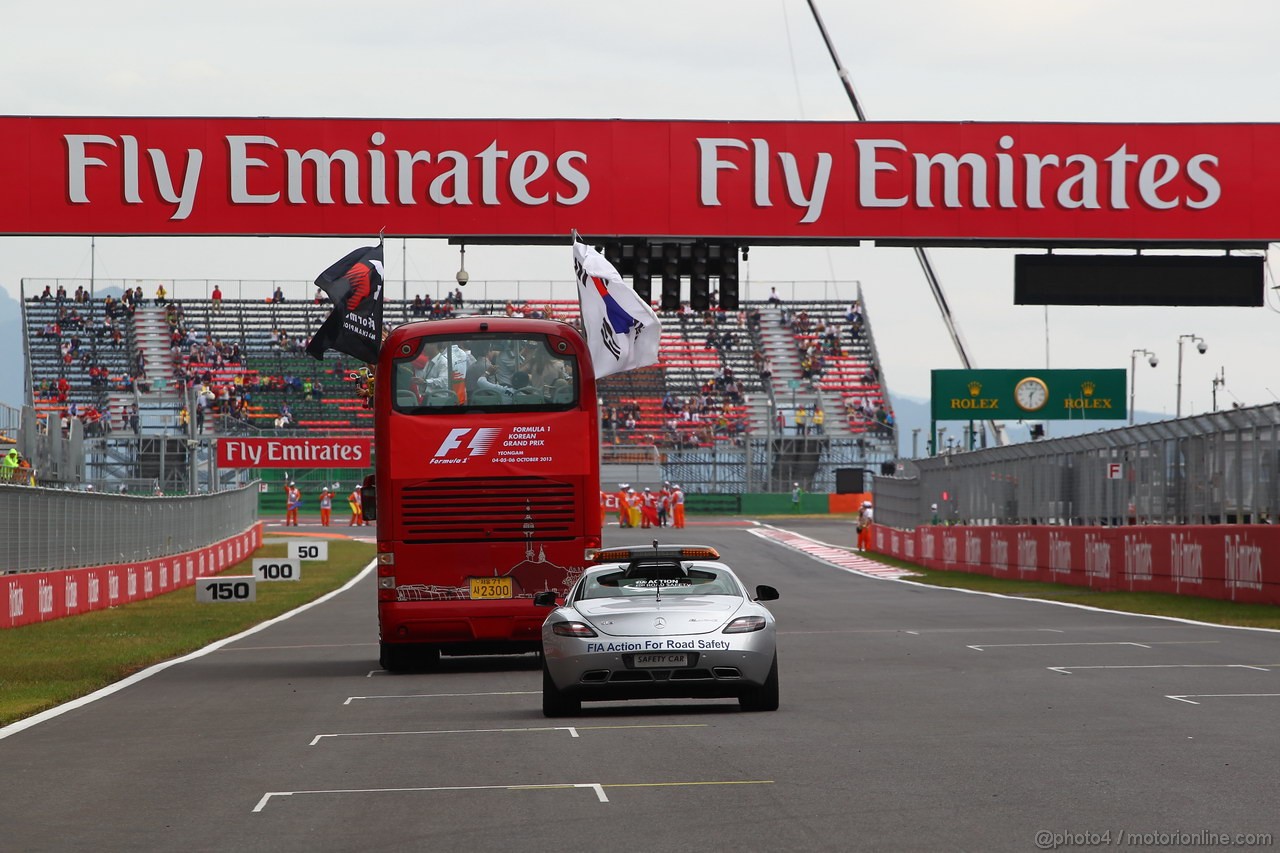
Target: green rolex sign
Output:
[(1050, 395)]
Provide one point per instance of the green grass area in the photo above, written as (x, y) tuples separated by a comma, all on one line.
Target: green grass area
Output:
[(50, 663), (1151, 603)]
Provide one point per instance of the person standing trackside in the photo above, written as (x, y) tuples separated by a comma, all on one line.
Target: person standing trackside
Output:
[(356, 501), (10, 466), (293, 502), (865, 516), (326, 505), (677, 501), (796, 492)]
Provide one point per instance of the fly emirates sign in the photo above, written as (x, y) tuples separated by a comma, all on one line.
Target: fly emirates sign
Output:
[(1090, 183), (294, 453)]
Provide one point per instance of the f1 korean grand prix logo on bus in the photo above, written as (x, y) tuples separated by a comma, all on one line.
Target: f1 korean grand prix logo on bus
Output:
[(479, 444)]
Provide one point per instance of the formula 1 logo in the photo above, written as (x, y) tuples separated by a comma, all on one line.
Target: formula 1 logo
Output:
[(478, 445)]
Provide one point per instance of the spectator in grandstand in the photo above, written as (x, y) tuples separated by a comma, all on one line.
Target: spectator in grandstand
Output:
[(457, 296), (138, 298), (61, 295), (419, 308), (217, 299), (45, 296), (773, 296), (161, 295), (278, 296), (200, 410), (132, 419)]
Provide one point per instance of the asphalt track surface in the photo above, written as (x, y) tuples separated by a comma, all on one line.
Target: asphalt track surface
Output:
[(912, 718)]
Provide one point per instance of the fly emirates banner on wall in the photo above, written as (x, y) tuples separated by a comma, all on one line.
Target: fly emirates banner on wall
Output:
[(799, 181), (294, 453)]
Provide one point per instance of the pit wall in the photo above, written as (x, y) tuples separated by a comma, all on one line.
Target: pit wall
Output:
[(33, 597), (1226, 561)]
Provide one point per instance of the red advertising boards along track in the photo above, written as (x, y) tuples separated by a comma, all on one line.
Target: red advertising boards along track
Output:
[(31, 597), (990, 183), (1224, 561)]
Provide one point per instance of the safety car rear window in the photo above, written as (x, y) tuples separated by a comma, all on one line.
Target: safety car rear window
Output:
[(647, 580)]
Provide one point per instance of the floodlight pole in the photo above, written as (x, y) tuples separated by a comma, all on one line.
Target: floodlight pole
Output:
[(926, 265)]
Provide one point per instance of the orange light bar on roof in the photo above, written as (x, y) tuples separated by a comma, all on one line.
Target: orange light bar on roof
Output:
[(684, 552)]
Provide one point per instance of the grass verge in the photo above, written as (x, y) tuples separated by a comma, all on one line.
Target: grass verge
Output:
[(1150, 603), (50, 663)]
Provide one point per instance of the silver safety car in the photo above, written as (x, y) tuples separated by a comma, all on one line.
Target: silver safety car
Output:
[(659, 622)]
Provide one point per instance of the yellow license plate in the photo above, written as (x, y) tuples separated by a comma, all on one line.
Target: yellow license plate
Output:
[(491, 588)]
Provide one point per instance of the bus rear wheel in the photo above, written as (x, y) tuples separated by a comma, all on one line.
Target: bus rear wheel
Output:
[(404, 657)]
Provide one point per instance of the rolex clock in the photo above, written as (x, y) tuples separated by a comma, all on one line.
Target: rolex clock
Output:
[(1031, 394)]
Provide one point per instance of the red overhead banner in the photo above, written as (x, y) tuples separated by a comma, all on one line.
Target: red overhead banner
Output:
[(803, 181), (295, 453)]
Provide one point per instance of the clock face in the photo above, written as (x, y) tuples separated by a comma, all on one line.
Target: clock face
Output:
[(1031, 394)]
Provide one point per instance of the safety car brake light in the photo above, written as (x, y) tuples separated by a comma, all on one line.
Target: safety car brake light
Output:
[(573, 629), (744, 625)]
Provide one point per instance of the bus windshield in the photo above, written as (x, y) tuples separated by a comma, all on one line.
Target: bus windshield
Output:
[(485, 372)]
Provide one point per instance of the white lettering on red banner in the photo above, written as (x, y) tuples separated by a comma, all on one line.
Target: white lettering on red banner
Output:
[(294, 452), (1102, 183)]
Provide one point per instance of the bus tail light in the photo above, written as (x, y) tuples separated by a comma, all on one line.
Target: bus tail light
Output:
[(386, 586)]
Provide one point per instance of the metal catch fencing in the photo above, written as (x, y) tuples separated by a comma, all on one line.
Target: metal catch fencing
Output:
[(1217, 468), (43, 529)]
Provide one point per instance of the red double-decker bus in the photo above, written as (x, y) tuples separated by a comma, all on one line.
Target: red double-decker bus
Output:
[(486, 486)]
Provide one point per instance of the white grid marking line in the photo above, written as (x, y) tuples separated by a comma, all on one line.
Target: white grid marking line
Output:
[(595, 786), (1185, 696), (351, 699), (1261, 667), (598, 787), (572, 732), (982, 646)]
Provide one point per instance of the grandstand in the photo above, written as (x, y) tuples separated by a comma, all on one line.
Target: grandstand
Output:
[(724, 378)]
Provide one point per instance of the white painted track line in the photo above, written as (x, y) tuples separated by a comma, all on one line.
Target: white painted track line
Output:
[(1187, 697)]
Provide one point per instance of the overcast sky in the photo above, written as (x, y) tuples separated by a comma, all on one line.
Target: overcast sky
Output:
[(981, 60)]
